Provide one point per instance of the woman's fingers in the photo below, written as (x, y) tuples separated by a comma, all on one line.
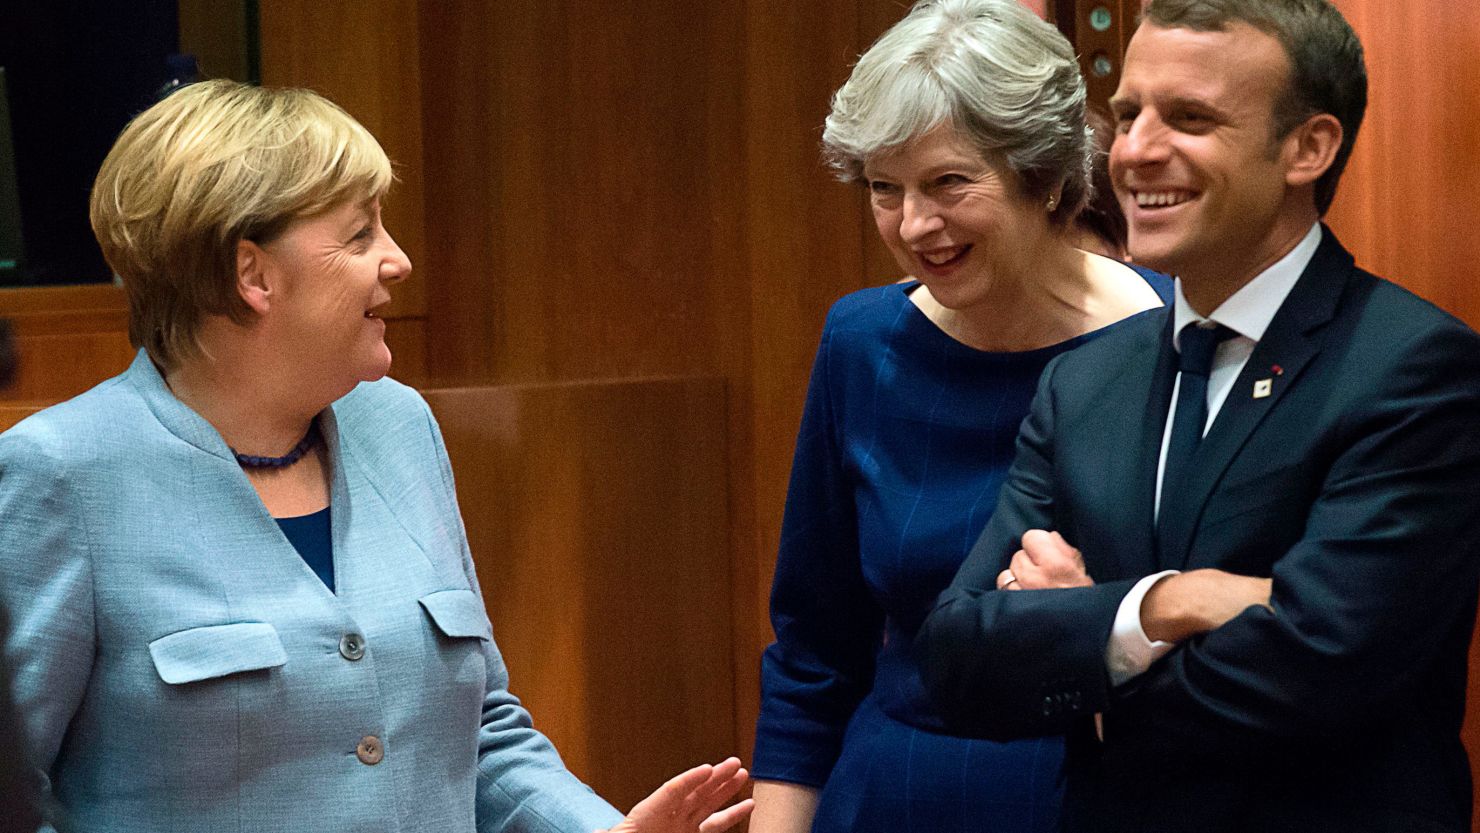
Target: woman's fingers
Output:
[(681, 786), (726, 779), (690, 801), (728, 817)]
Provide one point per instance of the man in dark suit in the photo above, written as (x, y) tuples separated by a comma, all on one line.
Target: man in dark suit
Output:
[(1273, 486)]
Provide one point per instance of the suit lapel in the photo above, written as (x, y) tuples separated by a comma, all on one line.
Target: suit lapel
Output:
[(1293, 338), (1118, 415), (1141, 553)]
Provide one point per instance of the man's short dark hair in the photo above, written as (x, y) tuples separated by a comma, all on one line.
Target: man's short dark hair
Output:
[(1328, 73)]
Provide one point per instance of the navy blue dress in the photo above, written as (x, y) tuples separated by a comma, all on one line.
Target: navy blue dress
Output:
[(906, 439)]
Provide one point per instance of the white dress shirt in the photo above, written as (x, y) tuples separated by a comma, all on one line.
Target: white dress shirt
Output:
[(1247, 313)]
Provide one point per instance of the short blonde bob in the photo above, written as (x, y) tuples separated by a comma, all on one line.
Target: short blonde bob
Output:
[(212, 165), (990, 69)]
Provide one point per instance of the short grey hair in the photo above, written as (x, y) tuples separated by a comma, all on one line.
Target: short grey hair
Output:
[(1003, 78)]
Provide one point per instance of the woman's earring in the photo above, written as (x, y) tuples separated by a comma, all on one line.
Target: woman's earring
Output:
[(1053, 202)]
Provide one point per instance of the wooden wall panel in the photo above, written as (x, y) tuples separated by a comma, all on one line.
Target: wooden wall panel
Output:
[(596, 516), (67, 339), (407, 339), (1407, 204), (587, 185)]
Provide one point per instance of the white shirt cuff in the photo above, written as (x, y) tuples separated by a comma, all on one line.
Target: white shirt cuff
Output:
[(1129, 652)]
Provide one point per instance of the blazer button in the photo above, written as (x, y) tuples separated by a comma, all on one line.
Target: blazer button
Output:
[(370, 751), (352, 646)]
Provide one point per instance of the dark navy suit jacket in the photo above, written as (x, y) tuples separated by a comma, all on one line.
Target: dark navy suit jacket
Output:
[(1355, 483)]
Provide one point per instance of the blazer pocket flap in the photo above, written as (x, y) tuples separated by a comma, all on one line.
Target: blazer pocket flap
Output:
[(216, 650), (458, 613)]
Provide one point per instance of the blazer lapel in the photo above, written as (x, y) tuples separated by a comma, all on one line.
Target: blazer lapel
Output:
[(1293, 338)]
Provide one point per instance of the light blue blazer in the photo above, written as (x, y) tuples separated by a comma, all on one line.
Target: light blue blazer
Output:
[(180, 668)]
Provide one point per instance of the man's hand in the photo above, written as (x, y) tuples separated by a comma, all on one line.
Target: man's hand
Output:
[(1184, 605), (1046, 561)]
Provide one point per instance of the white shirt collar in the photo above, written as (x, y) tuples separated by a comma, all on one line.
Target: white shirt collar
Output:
[(1249, 310)]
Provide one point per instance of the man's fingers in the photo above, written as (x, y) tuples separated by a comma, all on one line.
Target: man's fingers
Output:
[(1036, 543), (1059, 539), (1047, 561)]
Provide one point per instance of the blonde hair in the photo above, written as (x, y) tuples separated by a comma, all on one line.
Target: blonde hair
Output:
[(212, 165)]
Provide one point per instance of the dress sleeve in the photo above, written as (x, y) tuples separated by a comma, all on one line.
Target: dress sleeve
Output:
[(46, 589), (523, 786), (828, 626)]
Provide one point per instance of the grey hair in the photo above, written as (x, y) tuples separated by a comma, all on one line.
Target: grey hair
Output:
[(1004, 79)]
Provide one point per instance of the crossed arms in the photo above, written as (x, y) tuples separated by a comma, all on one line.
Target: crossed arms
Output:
[(1368, 592)]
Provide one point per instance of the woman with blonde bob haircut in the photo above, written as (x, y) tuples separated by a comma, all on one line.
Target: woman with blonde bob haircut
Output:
[(216, 164), (965, 122), (239, 590)]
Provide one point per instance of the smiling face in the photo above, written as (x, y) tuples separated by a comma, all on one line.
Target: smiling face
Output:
[(1202, 179), (955, 221), (327, 274)]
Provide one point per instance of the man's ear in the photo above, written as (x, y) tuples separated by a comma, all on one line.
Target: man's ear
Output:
[(1310, 149), (252, 281)]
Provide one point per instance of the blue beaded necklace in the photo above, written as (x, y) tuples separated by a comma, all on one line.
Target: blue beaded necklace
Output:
[(253, 461)]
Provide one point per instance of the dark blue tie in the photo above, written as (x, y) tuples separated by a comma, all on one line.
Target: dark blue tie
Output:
[(1195, 363)]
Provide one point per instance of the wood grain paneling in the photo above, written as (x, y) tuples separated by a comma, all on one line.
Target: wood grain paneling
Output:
[(67, 339), (587, 183), (596, 516), (1407, 203), (407, 339), (1408, 207)]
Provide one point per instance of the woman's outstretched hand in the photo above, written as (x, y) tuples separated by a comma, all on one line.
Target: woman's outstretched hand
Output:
[(691, 802)]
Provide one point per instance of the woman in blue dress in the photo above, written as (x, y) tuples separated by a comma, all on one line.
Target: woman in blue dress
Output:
[(966, 123)]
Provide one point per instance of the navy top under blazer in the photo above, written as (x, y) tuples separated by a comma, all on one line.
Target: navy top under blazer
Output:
[(906, 439), (179, 667), (312, 535)]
